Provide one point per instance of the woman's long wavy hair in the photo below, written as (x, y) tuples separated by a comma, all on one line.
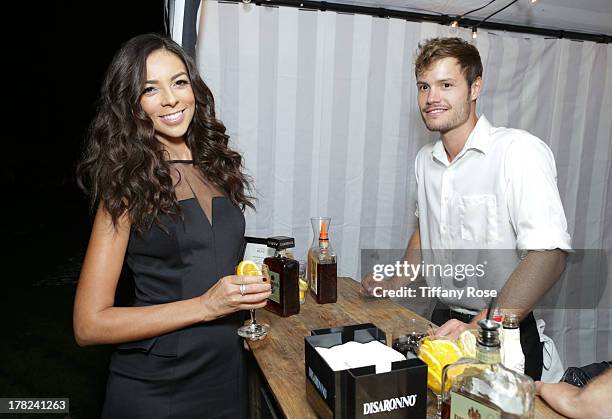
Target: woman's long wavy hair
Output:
[(124, 166)]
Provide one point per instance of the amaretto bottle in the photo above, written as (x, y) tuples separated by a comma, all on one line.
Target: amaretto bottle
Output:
[(324, 285), (484, 387)]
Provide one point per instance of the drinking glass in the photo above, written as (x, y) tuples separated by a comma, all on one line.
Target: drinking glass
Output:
[(407, 334), (440, 352), (254, 330), (302, 281)]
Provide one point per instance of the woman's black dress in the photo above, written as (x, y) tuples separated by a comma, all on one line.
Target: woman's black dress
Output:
[(196, 372)]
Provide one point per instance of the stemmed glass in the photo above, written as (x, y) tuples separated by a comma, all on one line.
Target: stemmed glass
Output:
[(255, 330), (436, 359)]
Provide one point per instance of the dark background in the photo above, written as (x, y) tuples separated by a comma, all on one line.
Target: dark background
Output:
[(54, 61)]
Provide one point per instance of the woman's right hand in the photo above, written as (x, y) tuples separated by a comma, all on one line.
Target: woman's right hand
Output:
[(225, 298)]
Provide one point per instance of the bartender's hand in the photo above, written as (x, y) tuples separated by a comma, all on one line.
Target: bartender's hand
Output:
[(453, 328), (368, 283), (225, 298)]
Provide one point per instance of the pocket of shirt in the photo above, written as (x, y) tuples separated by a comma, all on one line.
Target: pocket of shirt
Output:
[(478, 218)]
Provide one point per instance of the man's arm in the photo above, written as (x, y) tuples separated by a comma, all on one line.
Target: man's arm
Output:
[(529, 282), (412, 255), (537, 215)]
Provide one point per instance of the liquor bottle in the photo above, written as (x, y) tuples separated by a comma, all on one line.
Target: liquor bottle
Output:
[(316, 223), (284, 300), (484, 387), (511, 344), (324, 272), (497, 316)]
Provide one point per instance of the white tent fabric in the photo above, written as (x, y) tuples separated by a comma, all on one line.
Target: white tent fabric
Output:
[(323, 108)]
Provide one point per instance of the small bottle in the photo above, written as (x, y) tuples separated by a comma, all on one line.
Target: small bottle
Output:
[(497, 316), (484, 387), (511, 344), (284, 300), (316, 223), (324, 273)]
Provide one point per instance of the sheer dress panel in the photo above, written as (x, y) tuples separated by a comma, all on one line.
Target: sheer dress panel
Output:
[(189, 183)]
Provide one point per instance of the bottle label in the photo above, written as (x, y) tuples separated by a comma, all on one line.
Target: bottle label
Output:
[(275, 283), (463, 407), (488, 357), (513, 352)]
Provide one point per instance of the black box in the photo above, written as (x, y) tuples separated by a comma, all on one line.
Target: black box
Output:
[(360, 392)]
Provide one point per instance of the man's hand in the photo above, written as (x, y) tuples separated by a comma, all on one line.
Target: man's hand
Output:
[(368, 283), (453, 328)]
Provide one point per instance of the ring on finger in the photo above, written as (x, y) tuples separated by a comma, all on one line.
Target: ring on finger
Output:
[(242, 289)]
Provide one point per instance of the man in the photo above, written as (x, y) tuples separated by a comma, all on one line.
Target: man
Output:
[(482, 187)]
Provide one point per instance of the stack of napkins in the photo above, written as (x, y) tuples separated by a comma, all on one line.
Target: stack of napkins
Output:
[(356, 354)]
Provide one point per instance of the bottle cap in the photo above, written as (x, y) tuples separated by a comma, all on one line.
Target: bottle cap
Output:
[(497, 315), (489, 335), (323, 235), (511, 321), (281, 242)]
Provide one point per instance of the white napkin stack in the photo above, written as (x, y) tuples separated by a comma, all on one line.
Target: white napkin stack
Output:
[(356, 354)]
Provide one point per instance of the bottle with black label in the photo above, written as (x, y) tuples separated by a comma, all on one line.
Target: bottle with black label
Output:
[(283, 271)]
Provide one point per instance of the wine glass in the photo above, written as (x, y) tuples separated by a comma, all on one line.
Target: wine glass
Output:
[(254, 330), (437, 352)]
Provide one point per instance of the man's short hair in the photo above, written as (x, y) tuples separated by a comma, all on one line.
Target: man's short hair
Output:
[(435, 49)]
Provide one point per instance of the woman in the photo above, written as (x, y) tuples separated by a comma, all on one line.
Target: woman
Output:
[(169, 195)]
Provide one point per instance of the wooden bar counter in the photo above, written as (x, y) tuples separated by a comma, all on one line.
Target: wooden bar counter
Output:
[(279, 358)]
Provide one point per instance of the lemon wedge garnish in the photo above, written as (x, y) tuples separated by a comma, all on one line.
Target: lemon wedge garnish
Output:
[(437, 353), (467, 343), (248, 268), (445, 346), (434, 382), (431, 360), (303, 285)]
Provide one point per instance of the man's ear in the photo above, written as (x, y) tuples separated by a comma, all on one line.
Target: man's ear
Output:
[(476, 88)]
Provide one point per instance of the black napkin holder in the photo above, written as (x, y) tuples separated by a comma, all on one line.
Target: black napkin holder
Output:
[(360, 392)]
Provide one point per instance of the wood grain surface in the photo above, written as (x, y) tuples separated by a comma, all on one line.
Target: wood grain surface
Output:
[(280, 356)]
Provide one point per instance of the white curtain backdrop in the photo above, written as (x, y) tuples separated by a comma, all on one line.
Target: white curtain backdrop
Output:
[(323, 108)]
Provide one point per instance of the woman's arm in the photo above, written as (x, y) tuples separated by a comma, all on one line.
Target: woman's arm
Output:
[(97, 321)]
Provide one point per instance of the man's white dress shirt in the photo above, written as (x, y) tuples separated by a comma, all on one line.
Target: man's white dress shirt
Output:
[(500, 192)]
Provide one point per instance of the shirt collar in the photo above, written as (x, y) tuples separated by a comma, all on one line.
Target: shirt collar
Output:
[(478, 140)]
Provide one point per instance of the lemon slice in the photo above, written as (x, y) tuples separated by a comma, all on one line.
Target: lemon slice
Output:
[(248, 268), (425, 344), (446, 358), (467, 343), (445, 346), (303, 285), (432, 362), (433, 381), (452, 375)]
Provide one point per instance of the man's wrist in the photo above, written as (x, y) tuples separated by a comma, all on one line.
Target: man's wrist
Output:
[(478, 317)]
